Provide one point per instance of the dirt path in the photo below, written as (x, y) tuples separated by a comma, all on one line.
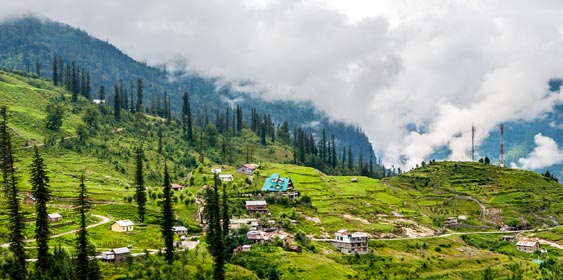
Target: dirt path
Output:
[(65, 138), (550, 243), (199, 212), (104, 220)]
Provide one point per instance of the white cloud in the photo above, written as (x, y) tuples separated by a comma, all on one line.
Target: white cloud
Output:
[(440, 65), (545, 154)]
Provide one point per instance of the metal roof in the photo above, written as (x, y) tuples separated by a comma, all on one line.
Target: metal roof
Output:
[(179, 228), (275, 183), (119, 251), (55, 216), (256, 203), (125, 223), (527, 243)]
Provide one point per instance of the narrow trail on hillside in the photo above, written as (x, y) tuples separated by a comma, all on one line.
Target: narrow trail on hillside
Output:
[(104, 220), (483, 208), (56, 141)]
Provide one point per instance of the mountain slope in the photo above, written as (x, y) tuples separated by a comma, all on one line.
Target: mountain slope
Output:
[(29, 40)]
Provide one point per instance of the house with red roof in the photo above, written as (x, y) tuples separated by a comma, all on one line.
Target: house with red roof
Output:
[(177, 187), (247, 169)]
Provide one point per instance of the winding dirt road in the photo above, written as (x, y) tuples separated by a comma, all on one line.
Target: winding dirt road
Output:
[(104, 220)]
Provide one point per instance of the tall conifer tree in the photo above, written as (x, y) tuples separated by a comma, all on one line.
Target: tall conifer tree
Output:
[(16, 222), (40, 187), (55, 71), (86, 267), (167, 218), (140, 195), (139, 106), (116, 103)]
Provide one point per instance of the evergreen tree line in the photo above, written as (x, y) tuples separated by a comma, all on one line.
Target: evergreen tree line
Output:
[(124, 99), (323, 154), (56, 265), (74, 78), (216, 212)]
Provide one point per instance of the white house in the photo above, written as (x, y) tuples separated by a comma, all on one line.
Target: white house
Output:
[(351, 242), (122, 226), (179, 230), (116, 255), (528, 246), (226, 177), (216, 170), (55, 217)]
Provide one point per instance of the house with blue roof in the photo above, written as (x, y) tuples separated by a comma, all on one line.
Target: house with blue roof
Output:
[(277, 184)]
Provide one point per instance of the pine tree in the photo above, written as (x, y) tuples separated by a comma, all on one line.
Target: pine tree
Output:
[(74, 82), (102, 93), (55, 71), (350, 161), (88, 90), (167, 218), (239, 118), (218, 236), (61, 65), (85, 266), (15, 214), (187, 115), (116, 103), (139, 107), (38, 69), (83, 82), (40, 187), (333, 152), (225, 212), (140, 195), (3, 148)]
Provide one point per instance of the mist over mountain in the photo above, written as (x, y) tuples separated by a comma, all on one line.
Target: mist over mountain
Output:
[(29, 40)]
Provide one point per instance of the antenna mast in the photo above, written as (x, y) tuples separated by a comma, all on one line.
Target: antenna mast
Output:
[(472, 143), (501, 161)]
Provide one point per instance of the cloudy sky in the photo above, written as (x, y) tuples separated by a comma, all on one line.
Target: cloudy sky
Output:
[(438, 66)]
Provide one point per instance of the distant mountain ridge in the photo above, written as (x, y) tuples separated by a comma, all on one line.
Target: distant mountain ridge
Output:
[(29, 40)]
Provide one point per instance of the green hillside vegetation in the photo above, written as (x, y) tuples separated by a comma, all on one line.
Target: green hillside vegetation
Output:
[(512, 197), (412, 204)]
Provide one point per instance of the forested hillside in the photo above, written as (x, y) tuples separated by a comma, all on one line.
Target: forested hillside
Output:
[(404, 215), (30, 45)]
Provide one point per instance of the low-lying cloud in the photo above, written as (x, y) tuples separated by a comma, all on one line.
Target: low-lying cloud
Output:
[(437, 65), (545, 154)]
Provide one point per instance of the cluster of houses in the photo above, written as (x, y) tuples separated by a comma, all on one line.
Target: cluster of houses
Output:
[(246, 169)]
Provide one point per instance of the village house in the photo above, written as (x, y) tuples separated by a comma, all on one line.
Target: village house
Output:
[(451, 222), (216, 170), (180, 230), (258, 206), (116, 255), (30, 199), (246, 248), (257, 236), (55, 217), (247, 169), (177, 187), (527, 246), (509, 238), (226, 177), (351, 242), (122, 226), (98, 101), (277, 185), (251, 224)]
